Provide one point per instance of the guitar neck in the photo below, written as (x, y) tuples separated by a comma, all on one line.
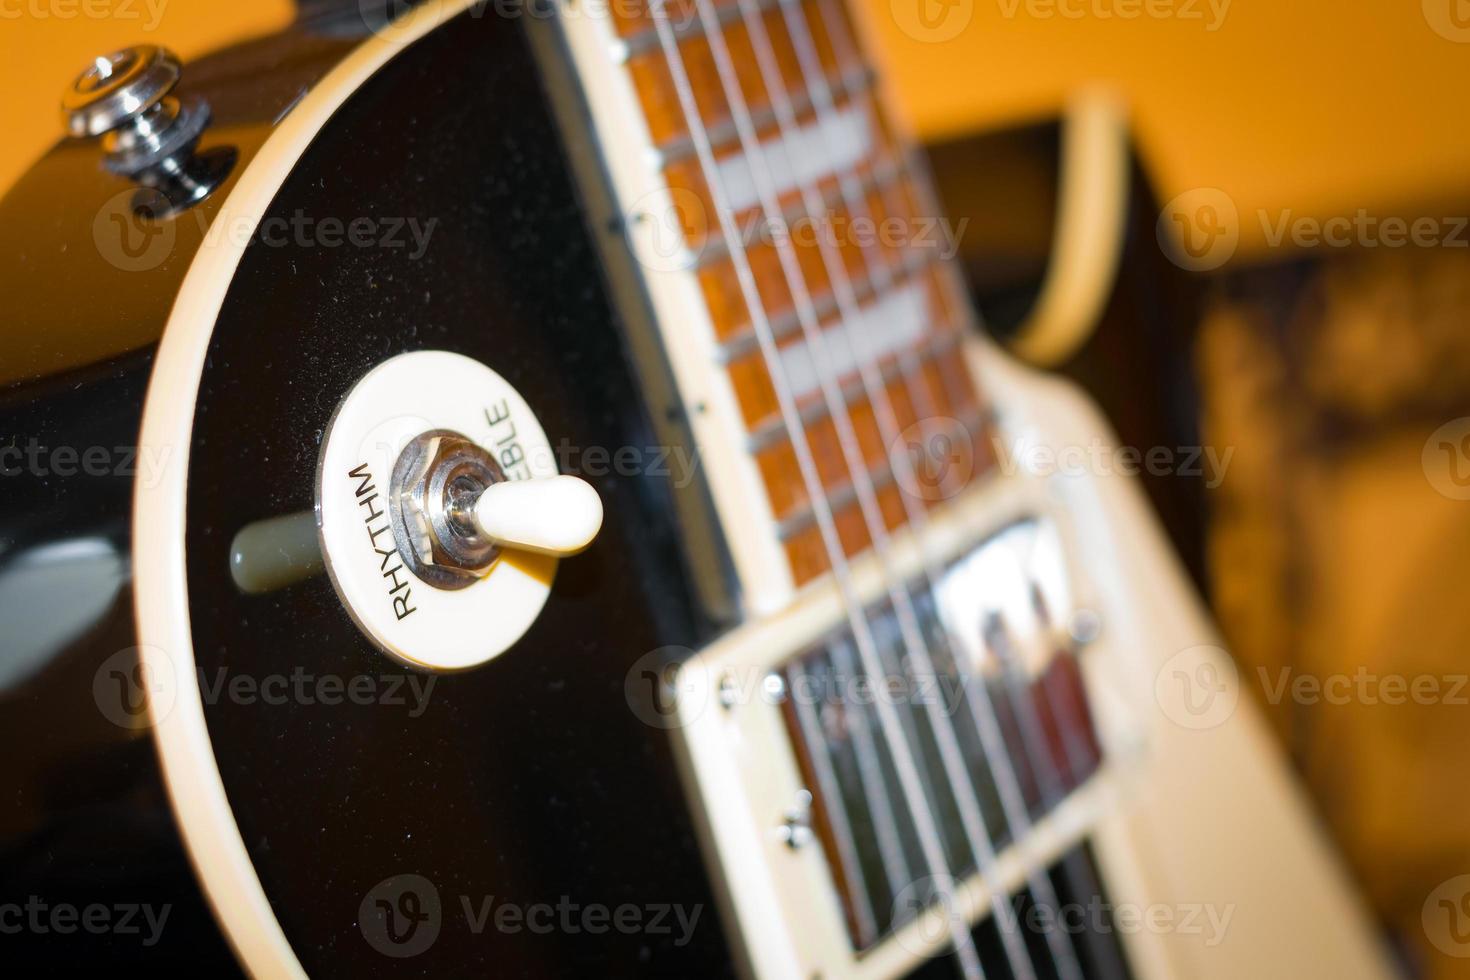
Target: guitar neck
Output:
[(795, 262)]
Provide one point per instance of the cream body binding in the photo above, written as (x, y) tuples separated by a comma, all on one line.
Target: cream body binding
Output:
[(1182, 817)]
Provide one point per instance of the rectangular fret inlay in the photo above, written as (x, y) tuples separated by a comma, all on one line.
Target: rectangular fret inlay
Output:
[(896, 322), (831, 222), (805, 155)]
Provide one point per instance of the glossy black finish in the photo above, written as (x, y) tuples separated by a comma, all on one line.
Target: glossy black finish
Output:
[(85, 822), (529, 780)]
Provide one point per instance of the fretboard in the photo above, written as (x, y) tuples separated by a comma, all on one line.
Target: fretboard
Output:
[(830, 326)]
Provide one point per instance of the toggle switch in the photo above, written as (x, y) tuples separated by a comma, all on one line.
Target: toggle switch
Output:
[(557, 515)]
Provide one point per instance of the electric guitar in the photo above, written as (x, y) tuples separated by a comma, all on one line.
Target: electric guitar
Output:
[(514, 491)]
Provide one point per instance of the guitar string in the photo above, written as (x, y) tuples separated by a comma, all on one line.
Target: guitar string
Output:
[(977, 696), (756, 158), (1077, 761), (977, 834), (871, 781), (910, 783), (828, 783), (820, 97)]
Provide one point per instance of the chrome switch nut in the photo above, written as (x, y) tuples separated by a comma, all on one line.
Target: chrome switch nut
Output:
[(436, 481)]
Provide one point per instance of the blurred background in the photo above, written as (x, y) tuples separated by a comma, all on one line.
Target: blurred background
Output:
[(1269, 199)]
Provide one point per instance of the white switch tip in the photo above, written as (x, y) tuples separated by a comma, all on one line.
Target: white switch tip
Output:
[(558, 515)]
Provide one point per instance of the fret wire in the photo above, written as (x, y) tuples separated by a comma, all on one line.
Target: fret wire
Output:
[(843, 494), (811, 727), (836, 555), (882, 175), (755, 157), (1063, 956), (941, 727), (870, 777), (844, 50), (850, 85), (646, 40), (743, 342), (772, 431), (1033, 739)]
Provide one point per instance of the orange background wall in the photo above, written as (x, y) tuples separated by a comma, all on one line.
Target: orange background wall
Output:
[(1322, 107)]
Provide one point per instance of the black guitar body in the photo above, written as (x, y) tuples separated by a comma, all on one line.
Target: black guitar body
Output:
[(527, 783)]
